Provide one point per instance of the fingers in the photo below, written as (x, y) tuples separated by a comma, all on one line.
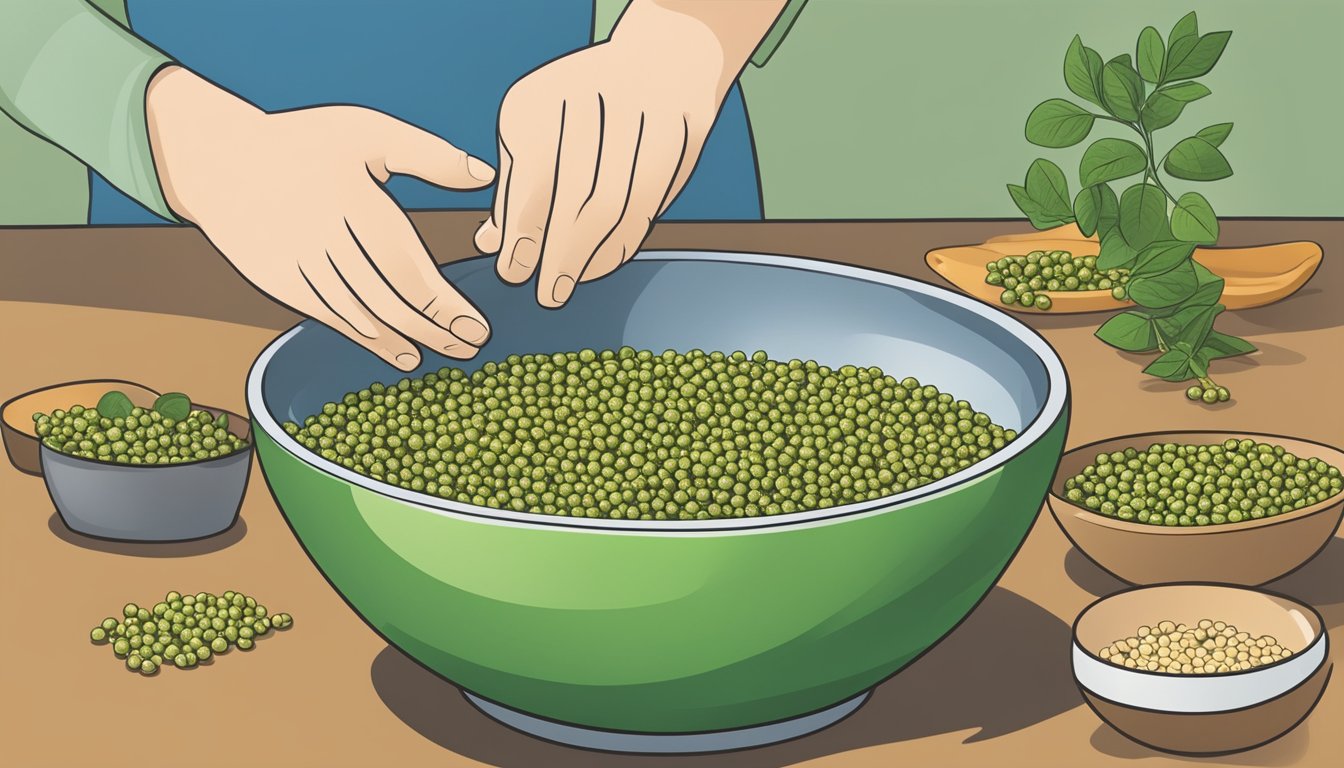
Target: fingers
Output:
[(334, 304), (388, 268), (397, 147), (527, 203), (571, 240), (490, 235), (662, 154)]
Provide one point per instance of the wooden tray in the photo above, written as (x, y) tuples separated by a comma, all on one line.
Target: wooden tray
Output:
[(1254, 276)]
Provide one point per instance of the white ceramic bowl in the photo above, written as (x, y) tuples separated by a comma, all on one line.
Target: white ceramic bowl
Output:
[(1202, 714)]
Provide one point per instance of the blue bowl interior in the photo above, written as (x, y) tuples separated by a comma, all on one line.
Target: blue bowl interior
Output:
[(682, 300)]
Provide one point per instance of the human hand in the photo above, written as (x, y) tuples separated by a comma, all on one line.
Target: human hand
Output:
[(293, 201), (595, 145)]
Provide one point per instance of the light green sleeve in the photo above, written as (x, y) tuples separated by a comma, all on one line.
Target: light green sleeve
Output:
[(75, 77), (780, 30)]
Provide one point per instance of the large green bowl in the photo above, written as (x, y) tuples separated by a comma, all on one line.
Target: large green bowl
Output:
[(675, 627)]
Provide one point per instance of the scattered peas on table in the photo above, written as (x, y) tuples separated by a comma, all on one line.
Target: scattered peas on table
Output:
[(1183, 485), (639, 435), (186, 630), (1024, 278)]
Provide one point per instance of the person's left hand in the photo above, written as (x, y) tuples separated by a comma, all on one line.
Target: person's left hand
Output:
[(595, 145)]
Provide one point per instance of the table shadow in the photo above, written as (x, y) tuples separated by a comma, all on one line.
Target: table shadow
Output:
[(1309, 309), (219, 541), (1318, 583), (957, 686), (1089, 576), (1288, 749)]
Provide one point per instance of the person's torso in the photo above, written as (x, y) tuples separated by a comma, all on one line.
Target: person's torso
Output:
[(443, 65)]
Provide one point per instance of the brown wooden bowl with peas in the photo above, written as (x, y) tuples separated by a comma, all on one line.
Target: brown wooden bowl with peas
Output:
[(1227, 507)]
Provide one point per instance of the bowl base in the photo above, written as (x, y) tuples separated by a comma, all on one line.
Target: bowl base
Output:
[(668, 743)]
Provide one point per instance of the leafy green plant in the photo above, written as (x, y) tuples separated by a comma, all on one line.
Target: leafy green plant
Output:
[(1145, 229)]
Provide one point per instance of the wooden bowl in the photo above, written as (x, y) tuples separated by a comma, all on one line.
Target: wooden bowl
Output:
[(16, 415), (1202, 714), (1251, 553), (1253, 276)]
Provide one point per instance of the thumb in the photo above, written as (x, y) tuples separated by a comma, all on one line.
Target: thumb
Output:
[(397, 147)]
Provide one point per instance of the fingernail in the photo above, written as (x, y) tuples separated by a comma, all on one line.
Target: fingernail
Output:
[(524, 253), (480, 169), (407, 360), (469, 329), (563, 289)]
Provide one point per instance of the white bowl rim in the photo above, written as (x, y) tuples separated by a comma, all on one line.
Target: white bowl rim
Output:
[(1197, 694), (1057, 391)]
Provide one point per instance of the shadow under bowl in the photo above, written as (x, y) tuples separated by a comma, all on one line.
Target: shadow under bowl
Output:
[(1202, 714), (627, 634), (1251, 552)]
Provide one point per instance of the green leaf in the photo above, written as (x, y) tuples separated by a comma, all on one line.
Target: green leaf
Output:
[(1046, 185), (1186, 92), (1150, 55), (1164, 290), (222, 422), (1108, 217), (1210, 286), (114, 405), (1191, 324), (1121, 89), (1160, 256), (1045, 198), (1115, 252), (1086, 208), (1197, 160), (1165, 105), (1129, 331), (1058, 123), (1110, 159), (1143, 215), (1082, 71), (1186, 59), (1188, 26), (1173, 365), (1219, 345), (1039, 218), (1193, 219), (174, 405), (1216, 134)]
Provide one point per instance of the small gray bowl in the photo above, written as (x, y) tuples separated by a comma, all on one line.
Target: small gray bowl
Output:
[(149, 503)]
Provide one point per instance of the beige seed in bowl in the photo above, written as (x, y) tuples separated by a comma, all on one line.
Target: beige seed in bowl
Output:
[(1208, 648)]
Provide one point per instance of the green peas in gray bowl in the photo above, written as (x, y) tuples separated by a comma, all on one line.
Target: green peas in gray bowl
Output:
[(169, 472)]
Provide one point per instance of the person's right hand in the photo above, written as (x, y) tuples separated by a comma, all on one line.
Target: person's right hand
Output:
[(294, 201)]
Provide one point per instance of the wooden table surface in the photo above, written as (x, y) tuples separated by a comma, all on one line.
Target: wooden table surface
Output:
[(158, 305)]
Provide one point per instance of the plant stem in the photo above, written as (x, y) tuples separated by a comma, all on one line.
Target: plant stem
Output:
[(1151, 171), (1161, 340)]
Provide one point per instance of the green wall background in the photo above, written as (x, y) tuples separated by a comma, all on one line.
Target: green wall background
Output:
[(915, 108)]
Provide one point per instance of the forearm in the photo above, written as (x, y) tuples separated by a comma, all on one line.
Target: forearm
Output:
[(734, 27), (75, 77)]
